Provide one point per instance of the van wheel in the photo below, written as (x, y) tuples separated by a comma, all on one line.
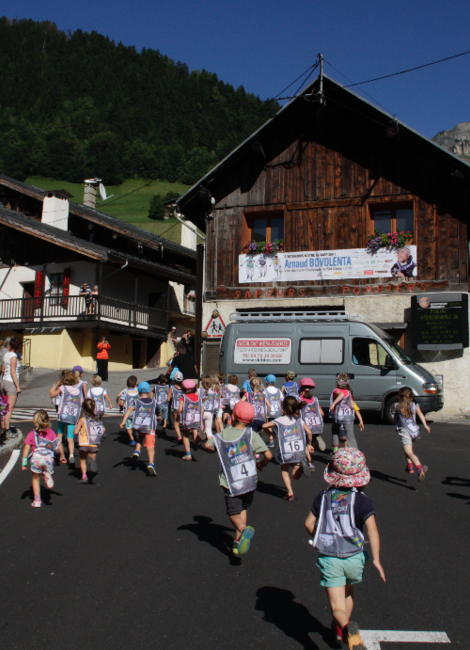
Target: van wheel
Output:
[(389, 406)]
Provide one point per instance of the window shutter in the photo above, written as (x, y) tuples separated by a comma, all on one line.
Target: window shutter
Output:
[(66, 288), (38, 284)]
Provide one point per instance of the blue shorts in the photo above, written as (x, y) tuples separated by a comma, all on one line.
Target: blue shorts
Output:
[(67, 429), (129, 423), (163, 411), (341, 571)]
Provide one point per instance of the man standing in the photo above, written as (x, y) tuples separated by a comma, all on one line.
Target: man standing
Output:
[(185, 362)]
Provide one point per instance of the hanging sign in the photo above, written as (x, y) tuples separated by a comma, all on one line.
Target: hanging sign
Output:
[(439, 321), (215, 328), (263, 351), (328, 265)]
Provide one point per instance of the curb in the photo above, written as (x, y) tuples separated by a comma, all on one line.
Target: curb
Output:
[(10, 445)]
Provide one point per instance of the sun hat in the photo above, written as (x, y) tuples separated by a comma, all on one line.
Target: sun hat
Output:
[(173, 328), (291, 374), (143, 387), (79, 368), (347, 469), (306, 381), (244, 412), (178, 376), (271, 379), (189, 384)]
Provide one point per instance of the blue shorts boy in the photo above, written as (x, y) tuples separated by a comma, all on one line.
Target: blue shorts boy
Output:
[(341, 571), (163, 411), (65, 429)]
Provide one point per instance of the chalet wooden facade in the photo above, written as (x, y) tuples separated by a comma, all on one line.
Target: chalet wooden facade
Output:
[(326, 171)]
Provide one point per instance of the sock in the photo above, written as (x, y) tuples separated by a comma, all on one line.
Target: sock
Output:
[(37, 497), (236, 541), (410, 465), (84, 475), (419, 467)]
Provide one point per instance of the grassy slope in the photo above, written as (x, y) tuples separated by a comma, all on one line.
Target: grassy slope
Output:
[(129, 203)]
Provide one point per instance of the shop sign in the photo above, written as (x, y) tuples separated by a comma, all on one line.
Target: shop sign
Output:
[(439, 321), (269, 351)]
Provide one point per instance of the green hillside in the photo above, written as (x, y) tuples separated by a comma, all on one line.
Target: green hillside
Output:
[(130, 201)]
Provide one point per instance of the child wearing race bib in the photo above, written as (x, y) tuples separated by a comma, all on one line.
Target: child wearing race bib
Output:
[(237, 446), (294, 438), (70, 407), (126, 399), (229, 396), (40, 445), (246, 388), (144, 424), (336, 524), (56, 400), (90, 432), (290, 387), (99, 395), (174, 396), (342, 412), (408, 429), (274, 397), (216, 387), (312, 413), (260, 403), (162, 391), (189, 416), (210, 403), (219, 425), (82, 384)]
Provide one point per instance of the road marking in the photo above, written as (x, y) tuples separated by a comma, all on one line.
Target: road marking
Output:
[(373, 638), (9, 466)]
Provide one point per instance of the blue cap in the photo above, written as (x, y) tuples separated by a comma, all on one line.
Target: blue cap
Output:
[(271, 379), (143, 387)]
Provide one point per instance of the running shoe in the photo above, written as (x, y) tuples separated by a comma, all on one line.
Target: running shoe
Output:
[(84, 480), (71, 460), (353, 637), (187, 457), (48, 480), (235, 548), (410, 469), (151, 469), (338, 634), (321, 443), (270, 445), (290, 497), (305, 468), (36, 504), (245, 540), (93, 466), (311, 467), (422, 472), (132, 444), (136, 455)]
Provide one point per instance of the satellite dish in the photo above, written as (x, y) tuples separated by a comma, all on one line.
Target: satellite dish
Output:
[(103, 192)]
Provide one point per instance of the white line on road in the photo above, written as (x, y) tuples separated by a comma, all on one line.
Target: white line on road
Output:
[(372, 638), (9, 466)]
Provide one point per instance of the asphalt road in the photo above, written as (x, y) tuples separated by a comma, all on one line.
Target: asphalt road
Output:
[(133, 561)]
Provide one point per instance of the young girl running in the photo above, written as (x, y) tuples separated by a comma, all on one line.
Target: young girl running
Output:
[(312, 413), (292, 434), (56, 400), (162, 390), (144, 423), (99, 395), (219, 425), (261, 404), (342, 412), (216, 387), (126, 399), (229, 396), (407, 428), (209, 403), (40, 446), (82, 384), (290, 387), (190, 415), (90, 432), (274, 397), (70, 407), (174, 396)]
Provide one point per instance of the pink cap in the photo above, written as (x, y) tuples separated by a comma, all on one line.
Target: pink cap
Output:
[(189, 384), (244, 412), (306, 381)]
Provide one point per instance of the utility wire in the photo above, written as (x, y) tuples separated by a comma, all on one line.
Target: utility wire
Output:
[(306, 80), (312, 67), (118, 198)]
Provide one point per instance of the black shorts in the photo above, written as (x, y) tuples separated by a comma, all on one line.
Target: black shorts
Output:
[(235, 505)]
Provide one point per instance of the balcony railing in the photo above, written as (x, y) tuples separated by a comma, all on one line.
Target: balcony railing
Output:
[(57, 309)]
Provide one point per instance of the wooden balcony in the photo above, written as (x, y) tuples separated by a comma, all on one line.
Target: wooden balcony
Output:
[(57, 311)]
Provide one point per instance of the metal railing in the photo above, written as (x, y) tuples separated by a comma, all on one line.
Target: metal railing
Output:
[(61, 309)]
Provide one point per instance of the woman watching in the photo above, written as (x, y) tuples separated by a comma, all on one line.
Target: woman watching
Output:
[(102, 358)]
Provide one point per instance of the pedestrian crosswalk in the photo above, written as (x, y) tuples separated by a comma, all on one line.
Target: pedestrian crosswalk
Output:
[(26, 414)]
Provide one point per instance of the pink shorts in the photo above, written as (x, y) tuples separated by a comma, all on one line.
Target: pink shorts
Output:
[(40, 464)]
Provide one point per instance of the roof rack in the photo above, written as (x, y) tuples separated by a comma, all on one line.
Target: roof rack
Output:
[(339, 315)]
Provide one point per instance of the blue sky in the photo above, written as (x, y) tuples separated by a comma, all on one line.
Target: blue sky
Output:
[(265, 44)]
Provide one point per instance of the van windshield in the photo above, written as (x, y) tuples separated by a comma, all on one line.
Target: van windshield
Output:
[(400, 352)]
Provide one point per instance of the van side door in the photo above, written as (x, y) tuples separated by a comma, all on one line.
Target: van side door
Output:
[(372, 378)]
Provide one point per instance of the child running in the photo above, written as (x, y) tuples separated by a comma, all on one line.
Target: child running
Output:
[(217, 410), (174, 396), (56, 400), (70, 407), (189, 416), (144, 423), (290, 387), (407, 428), (99, 395), (342, 412), (336, 524), (229, 396), (274, 397), (126, 399), (219, 425), (82, 384), (292, 443), (40, 446), (312, 413), (210, 404), (260, 403), (246, 388), (90, 432), (237, 446), (162, 391)]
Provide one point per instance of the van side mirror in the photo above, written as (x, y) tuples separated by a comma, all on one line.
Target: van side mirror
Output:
[(390, 363)]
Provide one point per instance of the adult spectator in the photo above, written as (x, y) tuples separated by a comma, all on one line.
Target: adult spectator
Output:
[(102, 358), (86, 292), (10, 382), (185, 363)]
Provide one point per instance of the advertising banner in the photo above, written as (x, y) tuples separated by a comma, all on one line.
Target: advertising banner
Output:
[(343, 265), (259, 351)]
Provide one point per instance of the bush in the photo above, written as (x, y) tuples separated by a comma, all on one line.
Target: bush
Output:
[(157, 208)]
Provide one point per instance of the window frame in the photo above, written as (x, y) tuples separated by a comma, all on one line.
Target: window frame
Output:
[(249, 217), (321, 338), (391, 206)]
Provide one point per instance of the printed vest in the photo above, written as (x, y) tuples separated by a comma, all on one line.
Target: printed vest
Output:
[(191, 416), (344, 412), (228, 398), (209, 400), (94, 430), (131, 395), (337, 534), (275, 399), (311, 415), (176, 394), (292, 441), (99, 403), (409, 424), (70, 406), (144, 417), (291, 390), (238, 462), (161, 394), (44, 447), (258, 400)]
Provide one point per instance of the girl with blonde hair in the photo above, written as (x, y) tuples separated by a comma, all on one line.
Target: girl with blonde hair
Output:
[(408, 429)]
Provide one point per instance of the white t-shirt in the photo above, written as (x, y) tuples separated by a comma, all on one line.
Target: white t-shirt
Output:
[(96, 391), (7, 365)]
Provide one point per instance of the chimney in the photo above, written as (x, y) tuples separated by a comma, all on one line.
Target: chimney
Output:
[(89, 194), (55, 209)]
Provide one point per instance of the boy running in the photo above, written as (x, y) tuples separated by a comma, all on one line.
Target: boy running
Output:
[(144, 423)]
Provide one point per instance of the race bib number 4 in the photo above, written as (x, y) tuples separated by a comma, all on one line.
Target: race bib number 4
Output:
[(241, 471)]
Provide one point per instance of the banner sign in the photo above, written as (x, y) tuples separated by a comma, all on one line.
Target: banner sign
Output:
[(439, 321), (267, 351), (328, 265)]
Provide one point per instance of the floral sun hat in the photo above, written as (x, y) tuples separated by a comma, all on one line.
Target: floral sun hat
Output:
[(347, 469)]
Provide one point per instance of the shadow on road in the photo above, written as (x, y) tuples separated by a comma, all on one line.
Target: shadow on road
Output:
[(133, 464), (272, 490), (394, 480), (214, 534), (455, 481), (294, 619), (45, 495)]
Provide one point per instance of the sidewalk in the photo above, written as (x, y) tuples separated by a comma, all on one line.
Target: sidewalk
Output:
[(36, 394)]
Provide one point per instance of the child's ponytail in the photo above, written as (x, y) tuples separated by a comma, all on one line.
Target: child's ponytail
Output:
[(291, 406), (405, 397)]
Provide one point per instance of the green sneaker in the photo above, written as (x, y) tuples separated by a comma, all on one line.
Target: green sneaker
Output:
[(245, 539)]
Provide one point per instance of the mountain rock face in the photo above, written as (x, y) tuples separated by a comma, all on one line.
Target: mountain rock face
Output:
[(457, 140)]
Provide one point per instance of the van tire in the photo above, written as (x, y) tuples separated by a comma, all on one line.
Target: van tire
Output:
[(389, 406)]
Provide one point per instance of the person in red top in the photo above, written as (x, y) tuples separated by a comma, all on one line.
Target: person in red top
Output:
[(102, 358), (189, 416)]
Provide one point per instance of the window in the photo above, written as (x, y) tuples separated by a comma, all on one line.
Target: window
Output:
[(265, 227), (390, 219), (321, 351), (57, 286), (368, 352)]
